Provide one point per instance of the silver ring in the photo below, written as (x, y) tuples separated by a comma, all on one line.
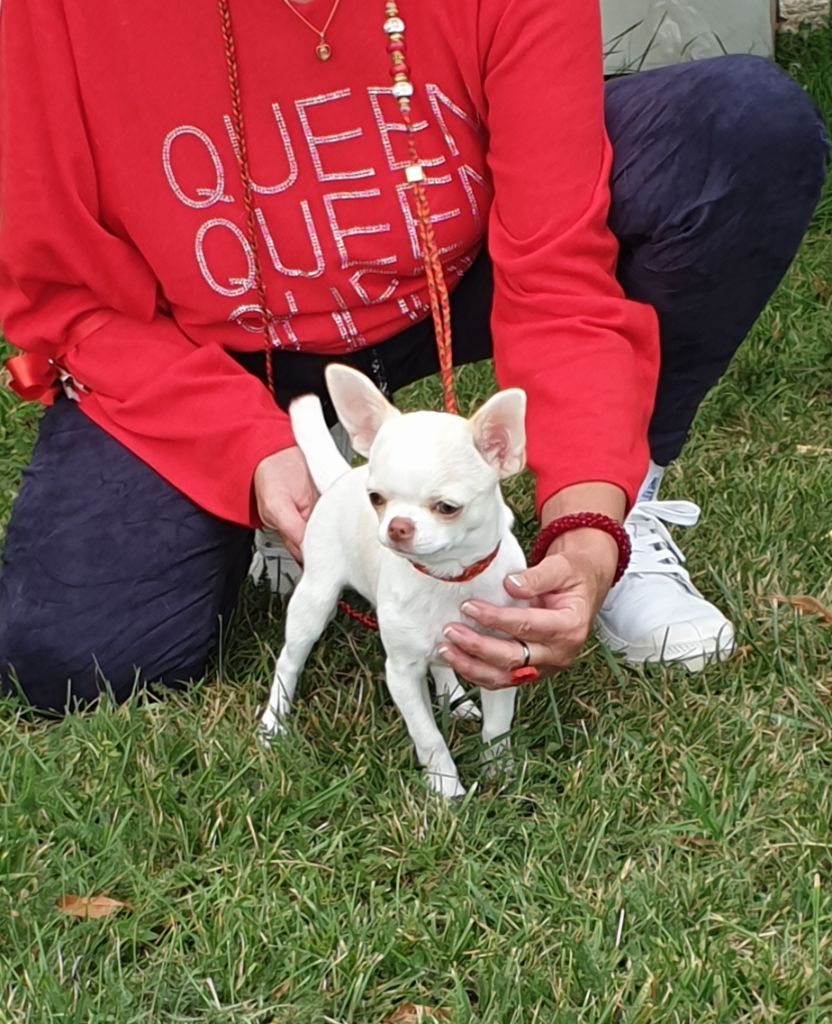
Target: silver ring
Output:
[(527, 654)]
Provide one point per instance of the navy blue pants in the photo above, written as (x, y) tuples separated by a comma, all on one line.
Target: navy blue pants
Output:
[(113, 580)]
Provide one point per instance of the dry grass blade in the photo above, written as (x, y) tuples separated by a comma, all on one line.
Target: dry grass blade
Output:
[(741, 653), (807, 606), (812, 449), (413, 1013), (89, 906)]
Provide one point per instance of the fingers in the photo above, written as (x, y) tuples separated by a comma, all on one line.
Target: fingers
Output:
[(291, 526), (554, 638), (550, 575), (489, 661), (481, 673), (294, 551), (536, 624), (502, 654), (288, 521), (285, 496), (506, 654)]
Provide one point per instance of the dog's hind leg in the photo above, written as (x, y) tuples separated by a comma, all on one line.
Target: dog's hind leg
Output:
[(310, 608), (497, 715), (408, 687), (447, 686)]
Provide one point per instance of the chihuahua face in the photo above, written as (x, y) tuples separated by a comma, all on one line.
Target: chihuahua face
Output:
[(438, 498), (433, 478)]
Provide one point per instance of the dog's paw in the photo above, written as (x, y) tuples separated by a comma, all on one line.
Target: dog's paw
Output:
[(271, 728), (447, 786)]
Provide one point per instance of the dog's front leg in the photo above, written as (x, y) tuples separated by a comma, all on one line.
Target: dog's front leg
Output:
[(310, 608), (497, 715), (407, 683)]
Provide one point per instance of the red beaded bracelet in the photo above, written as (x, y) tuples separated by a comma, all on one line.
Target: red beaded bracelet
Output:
[(582, 521)]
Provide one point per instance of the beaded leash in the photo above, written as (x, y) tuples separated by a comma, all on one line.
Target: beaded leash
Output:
[(440, 305)]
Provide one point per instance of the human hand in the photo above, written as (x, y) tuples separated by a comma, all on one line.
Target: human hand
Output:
[(564, 591), (285, 496)]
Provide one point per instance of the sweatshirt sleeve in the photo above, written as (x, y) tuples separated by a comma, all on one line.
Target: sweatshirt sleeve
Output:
[(75, 292), (586, 356)]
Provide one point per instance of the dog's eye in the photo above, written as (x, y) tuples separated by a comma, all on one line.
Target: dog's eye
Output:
[(376, 499), (445, 508)]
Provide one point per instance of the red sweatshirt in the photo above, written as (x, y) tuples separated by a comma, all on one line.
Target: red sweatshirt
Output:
[(123, 255)]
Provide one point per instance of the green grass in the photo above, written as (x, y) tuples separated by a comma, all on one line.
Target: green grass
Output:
[(663, 853)]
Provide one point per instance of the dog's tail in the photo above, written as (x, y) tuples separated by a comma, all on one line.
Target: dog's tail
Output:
[(326, 464)]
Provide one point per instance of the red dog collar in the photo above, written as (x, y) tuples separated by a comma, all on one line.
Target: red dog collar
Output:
[(469, 573)]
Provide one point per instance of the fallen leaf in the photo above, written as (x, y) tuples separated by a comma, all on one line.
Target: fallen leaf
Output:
[(806, 606), (89, 906), (413, 1013), (822, 288)]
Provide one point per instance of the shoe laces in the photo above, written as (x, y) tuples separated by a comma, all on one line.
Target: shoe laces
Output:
[(654, 550)]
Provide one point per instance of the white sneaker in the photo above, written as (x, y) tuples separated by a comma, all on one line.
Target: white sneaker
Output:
[(271, 557), (272, 560), (655, 613)]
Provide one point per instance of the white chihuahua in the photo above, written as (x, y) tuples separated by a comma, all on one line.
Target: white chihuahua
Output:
[(419, 529)]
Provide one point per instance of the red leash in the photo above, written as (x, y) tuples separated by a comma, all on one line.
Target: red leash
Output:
[(365, 619)]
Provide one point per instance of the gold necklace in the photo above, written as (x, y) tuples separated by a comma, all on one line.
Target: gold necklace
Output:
[(323, 50)]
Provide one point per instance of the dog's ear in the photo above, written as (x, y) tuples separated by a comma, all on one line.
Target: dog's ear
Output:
[(361, 407), (500, 431)]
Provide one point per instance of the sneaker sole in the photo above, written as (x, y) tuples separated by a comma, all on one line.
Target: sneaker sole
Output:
[(694, 656)]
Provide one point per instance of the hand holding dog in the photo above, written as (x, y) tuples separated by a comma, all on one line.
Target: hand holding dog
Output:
[(285, 496), (565, 592)]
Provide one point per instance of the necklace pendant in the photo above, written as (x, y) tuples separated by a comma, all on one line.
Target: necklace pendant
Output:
[(323, 50)]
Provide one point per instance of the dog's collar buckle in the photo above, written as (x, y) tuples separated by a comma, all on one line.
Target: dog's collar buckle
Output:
[(468, 573)]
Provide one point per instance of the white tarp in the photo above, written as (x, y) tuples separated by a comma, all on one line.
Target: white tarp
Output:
[(652, 33)]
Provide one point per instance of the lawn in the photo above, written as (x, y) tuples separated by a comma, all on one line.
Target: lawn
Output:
[(662, 853)]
